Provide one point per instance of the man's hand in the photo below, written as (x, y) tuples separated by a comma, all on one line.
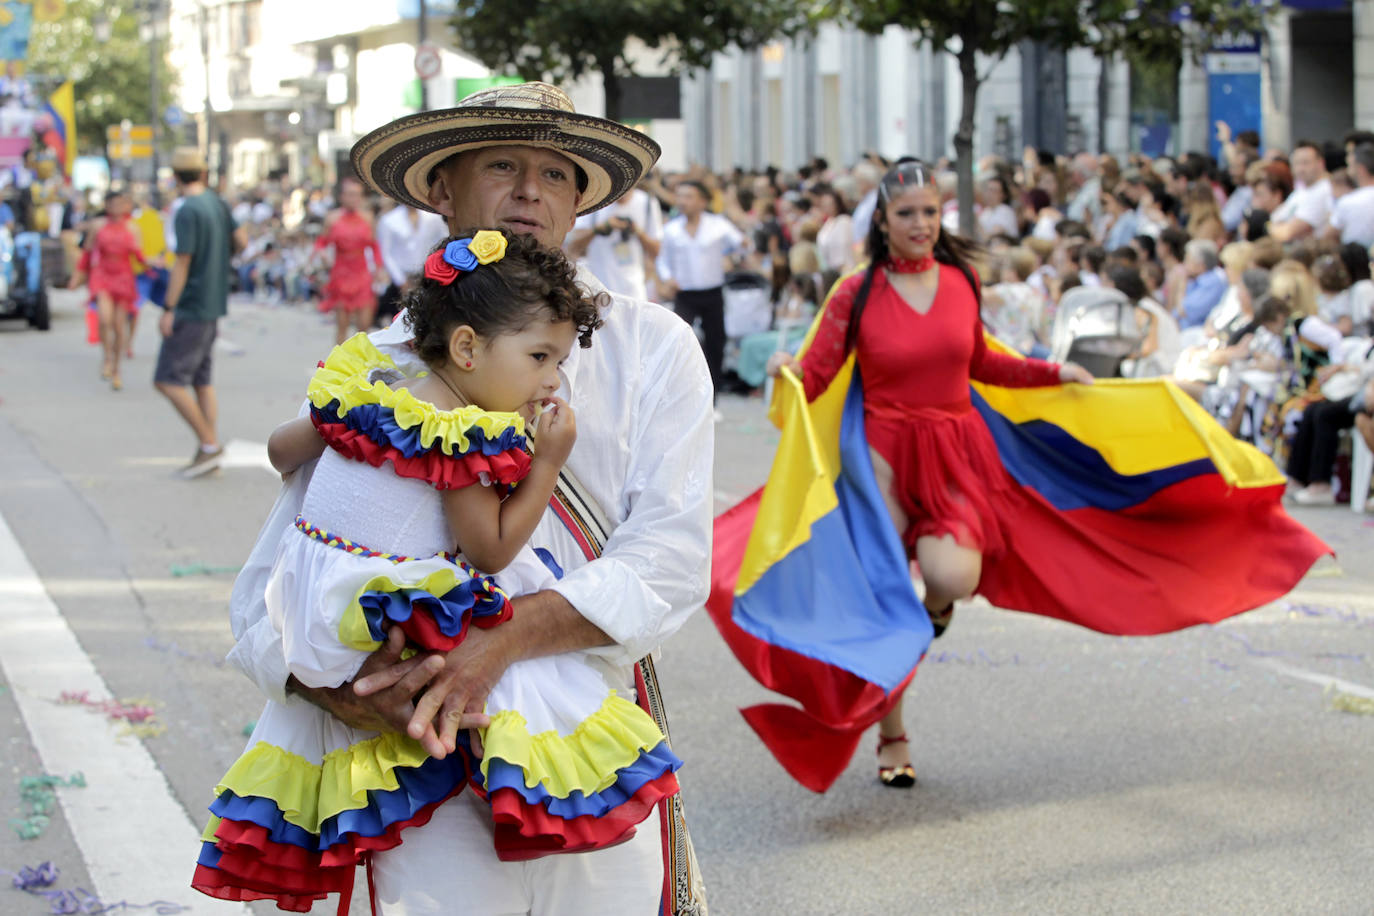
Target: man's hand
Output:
[(457, 690), (388, 709), (164, 324)]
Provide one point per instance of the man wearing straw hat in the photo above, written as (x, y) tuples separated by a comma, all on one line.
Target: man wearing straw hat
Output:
[(638, 484)]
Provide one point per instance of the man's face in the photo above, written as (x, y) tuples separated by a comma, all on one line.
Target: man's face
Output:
[(1192, 266), (1307, 165), (690, 200), (520, 188)]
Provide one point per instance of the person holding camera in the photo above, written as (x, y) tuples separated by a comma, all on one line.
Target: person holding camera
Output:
[(618, 243)]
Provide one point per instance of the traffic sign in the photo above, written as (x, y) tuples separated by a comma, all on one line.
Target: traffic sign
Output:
[(129, 150), (173, 116), (427, 61), (139, 133)]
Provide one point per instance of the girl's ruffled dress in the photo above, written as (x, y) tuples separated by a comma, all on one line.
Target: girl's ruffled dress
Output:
[(568, 764)]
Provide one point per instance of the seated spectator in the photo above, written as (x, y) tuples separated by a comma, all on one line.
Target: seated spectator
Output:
[(1352, 215), (1012, 309), (1206, 283), (1306, 211), (1090, 261), (1123, 223), (1346, 387), (1244, 394), (1159, 344), (1334, 304)]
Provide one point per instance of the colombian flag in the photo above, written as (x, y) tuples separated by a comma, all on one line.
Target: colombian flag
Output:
[(1131, 512), (61, 137)]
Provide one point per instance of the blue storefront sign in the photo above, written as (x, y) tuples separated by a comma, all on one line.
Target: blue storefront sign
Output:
[(1233, 85)]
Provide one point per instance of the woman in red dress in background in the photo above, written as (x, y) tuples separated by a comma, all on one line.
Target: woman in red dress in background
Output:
[(912, 319), (108, 267), (349, 292)]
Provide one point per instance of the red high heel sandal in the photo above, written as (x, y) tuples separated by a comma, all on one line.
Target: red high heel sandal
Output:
[(898, 777)]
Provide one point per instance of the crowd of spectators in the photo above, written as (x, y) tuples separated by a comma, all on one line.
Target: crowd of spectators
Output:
[(1247, 279)]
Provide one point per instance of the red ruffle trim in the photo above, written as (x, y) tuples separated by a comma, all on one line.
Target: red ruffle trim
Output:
[(526, 831), (422, 630), (295, 878), (445, 472)]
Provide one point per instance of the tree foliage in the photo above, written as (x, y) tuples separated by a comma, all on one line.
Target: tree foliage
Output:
[(111, 79), (980, 32), (562, 40)]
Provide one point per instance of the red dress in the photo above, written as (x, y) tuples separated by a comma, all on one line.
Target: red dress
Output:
[(947, 475), (110, 269), (350, 282)]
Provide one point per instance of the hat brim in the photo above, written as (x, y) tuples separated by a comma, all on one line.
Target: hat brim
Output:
[(397, 158)]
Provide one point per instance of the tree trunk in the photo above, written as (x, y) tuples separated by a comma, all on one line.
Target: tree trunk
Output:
[(611, 82), (963, 139)]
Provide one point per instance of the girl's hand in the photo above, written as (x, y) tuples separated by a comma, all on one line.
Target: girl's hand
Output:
[(557, 432), (1072, 372), (783, 360)]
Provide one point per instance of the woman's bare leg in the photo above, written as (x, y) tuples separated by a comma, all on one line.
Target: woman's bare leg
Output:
[(340, 324), (951, 573), (121, 341), (363, 317), (105, 308)]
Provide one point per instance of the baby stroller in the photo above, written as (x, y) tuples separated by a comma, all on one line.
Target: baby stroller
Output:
[(1096, 328)]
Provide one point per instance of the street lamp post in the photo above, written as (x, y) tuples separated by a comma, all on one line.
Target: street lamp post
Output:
[(150, 30)]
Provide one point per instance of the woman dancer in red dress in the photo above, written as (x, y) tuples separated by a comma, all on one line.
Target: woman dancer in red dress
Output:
[(108, 263), (912, 319), (349, 292)]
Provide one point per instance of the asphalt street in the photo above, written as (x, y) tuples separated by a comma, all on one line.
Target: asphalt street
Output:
[(1060, 771)]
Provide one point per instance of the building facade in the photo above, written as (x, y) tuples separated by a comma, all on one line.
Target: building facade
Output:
[(1310, 74), (277, 88)]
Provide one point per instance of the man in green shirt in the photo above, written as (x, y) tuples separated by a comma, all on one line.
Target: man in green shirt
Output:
[(197, 295)]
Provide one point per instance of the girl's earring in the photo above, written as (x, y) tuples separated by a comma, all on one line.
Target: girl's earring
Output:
[(468, 364)]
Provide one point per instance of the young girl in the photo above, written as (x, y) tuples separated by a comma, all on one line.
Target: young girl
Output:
[(108, 263), (566, 764)]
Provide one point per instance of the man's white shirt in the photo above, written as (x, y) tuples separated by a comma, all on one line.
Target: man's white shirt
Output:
[(1311, 204), (619, 262), (1353, 215), (697, 261), (644, 451), (405, 245)]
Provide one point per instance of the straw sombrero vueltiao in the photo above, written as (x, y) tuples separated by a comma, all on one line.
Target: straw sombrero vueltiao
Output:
[(397, 158)]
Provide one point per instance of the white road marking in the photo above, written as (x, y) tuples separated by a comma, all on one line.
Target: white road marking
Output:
[(240, 453), (1323, 680), (137, 841)]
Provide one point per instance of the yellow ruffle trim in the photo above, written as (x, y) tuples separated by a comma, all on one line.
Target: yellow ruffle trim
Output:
[(343, 378), (353, 631), (585, 761), (309, 794)]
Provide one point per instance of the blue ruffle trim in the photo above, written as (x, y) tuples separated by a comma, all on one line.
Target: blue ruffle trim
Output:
[(447, 610), (650, 765)]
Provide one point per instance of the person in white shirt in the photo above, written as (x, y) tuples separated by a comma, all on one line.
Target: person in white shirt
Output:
[(1352, 217), (691, 268), (618, 243), (406, 235), (997, 217), (1307, 209), (642, 398)]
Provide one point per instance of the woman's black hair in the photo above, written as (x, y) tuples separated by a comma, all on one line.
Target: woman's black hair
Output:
[(950, 249), (1127, 280), (1356, 260), (529, 282)]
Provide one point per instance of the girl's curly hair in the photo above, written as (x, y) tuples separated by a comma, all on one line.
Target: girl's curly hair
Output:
[(502, 297)]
